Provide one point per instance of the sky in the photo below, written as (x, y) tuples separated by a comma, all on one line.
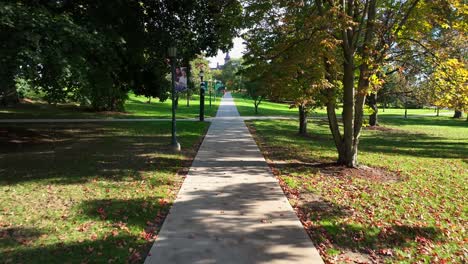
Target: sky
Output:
[(235, 52)]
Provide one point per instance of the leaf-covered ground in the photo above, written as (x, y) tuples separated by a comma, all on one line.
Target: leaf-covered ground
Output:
[(406, 205), (88, 193)]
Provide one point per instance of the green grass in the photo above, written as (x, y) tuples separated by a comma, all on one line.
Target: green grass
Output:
[(418, 214), (79, 193), (135, 107), (245, 106)]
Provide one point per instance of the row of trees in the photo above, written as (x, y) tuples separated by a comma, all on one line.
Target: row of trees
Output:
[(94, 52), (319, 53)]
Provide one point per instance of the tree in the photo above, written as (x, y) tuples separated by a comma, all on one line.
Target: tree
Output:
[(362, 37), (84, 50), (256, 87), (450, 82), (231, 74)]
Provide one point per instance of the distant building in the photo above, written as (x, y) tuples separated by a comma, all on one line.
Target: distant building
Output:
[(226, 60)]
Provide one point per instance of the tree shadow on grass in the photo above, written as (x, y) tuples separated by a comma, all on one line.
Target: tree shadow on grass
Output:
[(140, 213), (413, 144), (118, 249), (392, 142), (126, 216), (366, 240), (68, 154), (14, 236), (424, 121)]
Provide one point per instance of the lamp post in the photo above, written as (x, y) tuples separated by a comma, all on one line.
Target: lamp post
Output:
[(172, 52), (209, 90), (202, 96)]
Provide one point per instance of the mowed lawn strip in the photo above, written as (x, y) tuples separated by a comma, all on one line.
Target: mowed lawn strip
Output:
[(97, 193), (267, 108), (135, 107), (417, 214)]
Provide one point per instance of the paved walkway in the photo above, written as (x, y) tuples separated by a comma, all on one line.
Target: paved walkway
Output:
[(230, 208)]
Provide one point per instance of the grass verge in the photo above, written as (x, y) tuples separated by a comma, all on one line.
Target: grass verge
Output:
[(88, 193), (246, 108), (418, 215), (135, 107)]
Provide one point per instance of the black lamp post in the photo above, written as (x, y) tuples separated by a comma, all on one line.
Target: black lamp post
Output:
[(202, 96), (172, 52)]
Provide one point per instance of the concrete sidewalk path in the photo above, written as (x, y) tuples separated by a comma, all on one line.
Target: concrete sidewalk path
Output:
[(230, 208)]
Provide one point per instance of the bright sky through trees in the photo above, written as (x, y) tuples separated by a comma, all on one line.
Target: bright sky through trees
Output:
[(236, 52)]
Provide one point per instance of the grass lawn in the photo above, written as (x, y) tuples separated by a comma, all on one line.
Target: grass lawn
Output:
[(88, 193), (417, 213), (266, 108), (135, 107)]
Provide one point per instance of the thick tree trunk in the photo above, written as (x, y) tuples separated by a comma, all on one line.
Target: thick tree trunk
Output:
[(302, 121), (457, 114), (256, 108), (375, 109), (348, 111)]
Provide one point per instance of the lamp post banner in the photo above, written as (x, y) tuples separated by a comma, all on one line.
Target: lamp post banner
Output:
[(181, 79)]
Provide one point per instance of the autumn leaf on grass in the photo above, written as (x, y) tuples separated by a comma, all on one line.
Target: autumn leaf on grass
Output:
[(386, 252), (148, 236), (122, 226), (115, 233), (162, 202)]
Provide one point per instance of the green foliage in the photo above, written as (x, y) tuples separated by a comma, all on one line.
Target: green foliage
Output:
[(95, 52), (231, 75), (450, 82), (309, 51)]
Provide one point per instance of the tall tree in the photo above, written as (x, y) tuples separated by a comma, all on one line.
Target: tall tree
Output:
[(366, 34), (96, 51)]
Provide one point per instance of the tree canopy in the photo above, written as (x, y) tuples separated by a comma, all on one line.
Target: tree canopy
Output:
[(345, 49), (94, 52)]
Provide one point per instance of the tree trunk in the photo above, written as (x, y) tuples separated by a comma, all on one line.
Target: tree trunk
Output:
[(334, 128), (348, 110), (188, 99), (457, 114), (176, 102), (331, 113), (375, 109), (437, 111), (256, 107), (9, 95), (302, 120)]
